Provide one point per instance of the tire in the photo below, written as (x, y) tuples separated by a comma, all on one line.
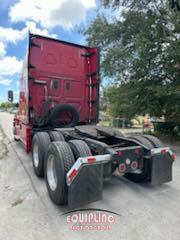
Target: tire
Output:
[(143, 140), (144, 176), (64, 108), (40, 144), (119, 134), (79, 148), (56, 136), (154, 140), (63, 160)]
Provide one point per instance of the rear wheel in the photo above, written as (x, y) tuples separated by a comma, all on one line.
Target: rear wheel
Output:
[(119, 134), (154, 140), (40, 144), (56, 136), (142, 140), (58, 161), (79, 148), (150, 143)]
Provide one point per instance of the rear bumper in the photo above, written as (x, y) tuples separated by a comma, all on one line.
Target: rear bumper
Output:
[(85, 178)]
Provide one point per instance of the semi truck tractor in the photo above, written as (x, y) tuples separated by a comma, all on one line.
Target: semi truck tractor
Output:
[(57, 122)]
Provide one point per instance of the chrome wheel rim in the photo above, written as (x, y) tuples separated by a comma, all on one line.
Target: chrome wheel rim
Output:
[(51, 172), (36, 155)]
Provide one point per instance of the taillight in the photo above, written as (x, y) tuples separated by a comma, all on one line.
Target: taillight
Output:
[(91, 159), (122, 168), (163, 151), (134, 165)]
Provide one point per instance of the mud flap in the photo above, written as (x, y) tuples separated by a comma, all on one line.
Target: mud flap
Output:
[(86, 187), (161, 168)]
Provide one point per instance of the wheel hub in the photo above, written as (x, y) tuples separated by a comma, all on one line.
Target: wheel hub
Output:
[(36, 155), (51, 172)]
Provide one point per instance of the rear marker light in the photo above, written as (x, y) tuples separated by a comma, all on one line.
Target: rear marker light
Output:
[(134, 165), (122, 168), (163, 151), (73, 173), (91, 160)]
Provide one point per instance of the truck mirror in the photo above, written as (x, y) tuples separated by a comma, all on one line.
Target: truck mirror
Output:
[(10, 96)]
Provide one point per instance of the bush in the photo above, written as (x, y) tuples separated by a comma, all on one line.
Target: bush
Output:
[(165, 127)]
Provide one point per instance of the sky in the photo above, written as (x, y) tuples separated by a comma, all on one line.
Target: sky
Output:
[(60, 19)]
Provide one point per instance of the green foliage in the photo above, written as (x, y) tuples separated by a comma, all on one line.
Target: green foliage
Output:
[(6, 105), (140, 53), (166, 127), (119, 101), (141, 4)]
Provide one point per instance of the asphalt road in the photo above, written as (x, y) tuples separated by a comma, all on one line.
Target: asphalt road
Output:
[(26, 211)]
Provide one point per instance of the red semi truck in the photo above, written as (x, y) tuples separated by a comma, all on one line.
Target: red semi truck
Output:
[(56, 121)]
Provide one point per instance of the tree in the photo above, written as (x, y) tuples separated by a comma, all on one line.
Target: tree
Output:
[(118, 101), (141, 54), (6, 105), (174, 4)]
